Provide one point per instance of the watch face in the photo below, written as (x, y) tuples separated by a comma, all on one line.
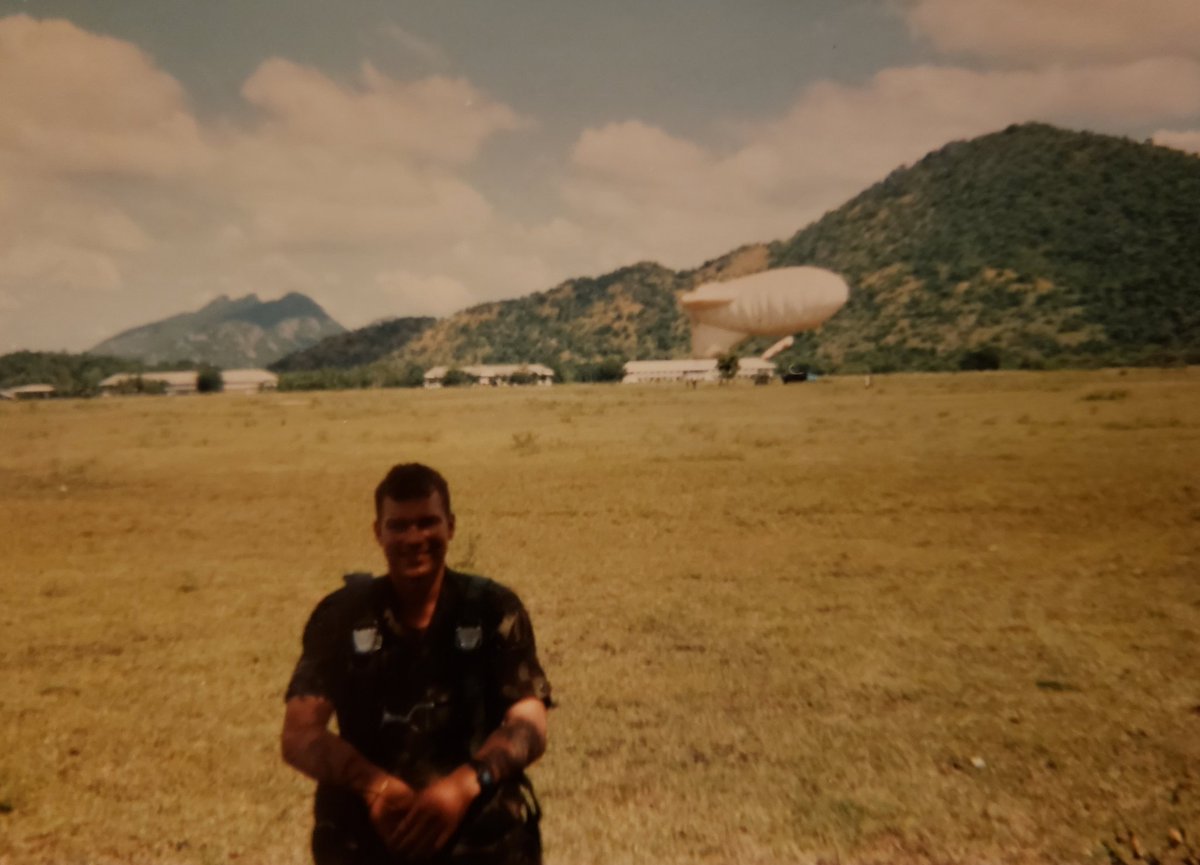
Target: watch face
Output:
[(484, 774)]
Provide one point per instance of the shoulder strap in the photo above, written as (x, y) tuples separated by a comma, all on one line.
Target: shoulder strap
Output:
[(472, 618), (358, 579)]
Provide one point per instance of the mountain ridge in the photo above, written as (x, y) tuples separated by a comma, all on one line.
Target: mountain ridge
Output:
[(1029, 247), (227, 332)]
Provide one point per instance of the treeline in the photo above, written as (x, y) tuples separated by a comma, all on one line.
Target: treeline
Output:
[(79, 375), (70, 374)]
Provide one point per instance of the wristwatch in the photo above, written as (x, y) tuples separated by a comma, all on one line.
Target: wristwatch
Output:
[(483, 773)]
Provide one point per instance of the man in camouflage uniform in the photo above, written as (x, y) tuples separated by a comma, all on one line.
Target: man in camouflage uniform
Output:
[(440, 702)]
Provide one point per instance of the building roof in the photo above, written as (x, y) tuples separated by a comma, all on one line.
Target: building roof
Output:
[(29, 388), (479, 370), (693, 364), (248, 376), (177, 379)]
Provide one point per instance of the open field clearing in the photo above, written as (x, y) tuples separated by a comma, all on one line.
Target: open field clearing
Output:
[(943, 619)]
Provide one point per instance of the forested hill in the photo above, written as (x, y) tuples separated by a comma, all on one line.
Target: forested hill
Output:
[(355, 347), (628, 313), (1032, 246)]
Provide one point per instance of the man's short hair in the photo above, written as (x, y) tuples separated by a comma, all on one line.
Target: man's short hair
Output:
[(408, 481)]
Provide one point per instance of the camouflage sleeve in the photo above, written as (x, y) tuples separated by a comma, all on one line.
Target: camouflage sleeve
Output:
[(517, 672), (313, 675)]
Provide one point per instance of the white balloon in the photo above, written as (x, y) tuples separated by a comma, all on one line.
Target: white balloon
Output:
[(771, 303)]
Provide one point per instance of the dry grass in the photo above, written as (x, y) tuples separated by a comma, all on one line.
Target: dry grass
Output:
[(948, 618)]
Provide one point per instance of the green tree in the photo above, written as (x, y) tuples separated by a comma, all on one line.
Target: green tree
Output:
[(209, 380), (984, 357), (727, 365), (455, 377), (523, 376), (139, 385), (608, 370)]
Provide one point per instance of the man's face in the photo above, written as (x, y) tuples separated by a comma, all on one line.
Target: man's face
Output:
[(414, 536)]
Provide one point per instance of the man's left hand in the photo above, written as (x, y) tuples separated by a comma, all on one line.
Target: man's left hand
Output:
[(435, 813)]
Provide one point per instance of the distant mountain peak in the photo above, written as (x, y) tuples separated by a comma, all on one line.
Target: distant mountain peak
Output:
[(228, 332)]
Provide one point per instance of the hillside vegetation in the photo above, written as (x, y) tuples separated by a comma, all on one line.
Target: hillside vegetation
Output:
[(1036, 246), (355, 347), (628, 313), (1031, 247)]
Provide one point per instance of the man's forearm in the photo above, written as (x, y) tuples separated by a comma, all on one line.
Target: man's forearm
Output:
[(328, 758), (517, 743)]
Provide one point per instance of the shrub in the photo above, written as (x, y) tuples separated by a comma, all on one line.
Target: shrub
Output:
[(209, 380), (727, 365), (455, 377)]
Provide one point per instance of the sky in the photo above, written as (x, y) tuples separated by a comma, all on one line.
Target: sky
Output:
[(391, 158)]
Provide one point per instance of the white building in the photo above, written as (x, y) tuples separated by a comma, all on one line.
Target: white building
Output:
[(28, 391), (248, 380), (494, 373), (696, 369), (185, 381), (176, 383)]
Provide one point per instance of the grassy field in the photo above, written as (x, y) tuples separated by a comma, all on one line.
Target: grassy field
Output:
[(943, 619)]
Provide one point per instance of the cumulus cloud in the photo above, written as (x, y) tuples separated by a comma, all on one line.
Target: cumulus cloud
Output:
[(48, 264), (77, 103), (1059, 31), (437, 120), (107, 181), (380, 162), (655, 195), (422, 294), (294, 196), (79, 115)]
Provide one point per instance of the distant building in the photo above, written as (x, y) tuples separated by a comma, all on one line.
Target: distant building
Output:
[(176, 383), (697, 369), (249, 380), (28, 391), (186, 381), (494, 374)]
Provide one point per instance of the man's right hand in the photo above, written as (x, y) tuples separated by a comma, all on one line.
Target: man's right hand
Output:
[(388, 800)]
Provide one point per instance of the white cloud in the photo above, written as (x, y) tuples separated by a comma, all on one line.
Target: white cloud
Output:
[(422, 294), (652, 195), (293, 196), (437, 120), (379, 164), (1059, 31), (326, 184), (77, 103), (1186, 140), (46, 264)]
